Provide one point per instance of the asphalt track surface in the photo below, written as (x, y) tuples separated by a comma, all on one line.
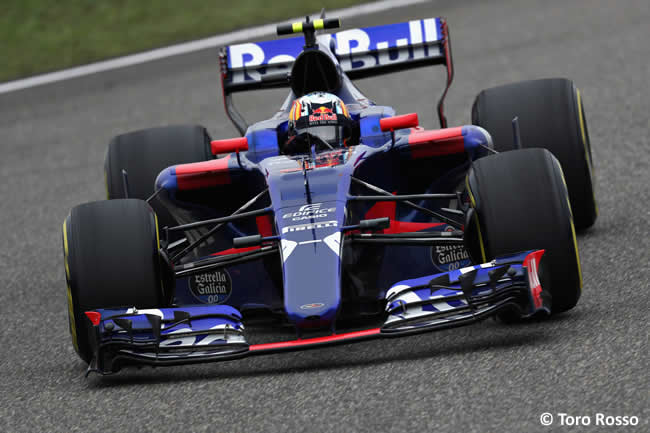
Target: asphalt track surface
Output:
[(487, 377)]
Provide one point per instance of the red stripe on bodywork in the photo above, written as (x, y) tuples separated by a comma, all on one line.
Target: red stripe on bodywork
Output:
[(381, 209), (387, 209), (399, 122), (229, 145), (446, 141), (408, 227), (203, 174), (234, 251), (264, 225), (314, 341)]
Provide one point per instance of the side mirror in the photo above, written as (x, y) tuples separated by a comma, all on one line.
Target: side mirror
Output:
[(375, 224), (399, 122), (229, 145)]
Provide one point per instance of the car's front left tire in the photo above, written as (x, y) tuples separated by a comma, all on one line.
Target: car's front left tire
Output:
[(111, 260)]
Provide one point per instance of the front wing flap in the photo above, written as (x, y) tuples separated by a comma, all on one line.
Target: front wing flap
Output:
[(166, 336), (206, 333), (465, 295)]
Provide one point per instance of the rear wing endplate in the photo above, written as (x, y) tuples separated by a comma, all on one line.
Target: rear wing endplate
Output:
[(362, 52)]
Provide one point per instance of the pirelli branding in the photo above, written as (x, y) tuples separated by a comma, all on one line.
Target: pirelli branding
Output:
[(312, 226)]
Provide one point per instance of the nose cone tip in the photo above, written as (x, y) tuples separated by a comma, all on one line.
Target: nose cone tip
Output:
[(311, 316)]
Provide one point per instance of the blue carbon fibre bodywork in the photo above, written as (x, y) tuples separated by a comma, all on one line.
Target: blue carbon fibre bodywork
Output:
[(420, 302), (167, 179), (456, 273), (262, 143), (164, 336), (203, 319), (309, 213), (476, 139)]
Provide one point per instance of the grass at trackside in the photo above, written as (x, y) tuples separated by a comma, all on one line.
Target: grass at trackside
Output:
[(39, 36)]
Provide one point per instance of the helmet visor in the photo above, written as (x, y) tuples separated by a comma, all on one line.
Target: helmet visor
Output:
[(332, 135)]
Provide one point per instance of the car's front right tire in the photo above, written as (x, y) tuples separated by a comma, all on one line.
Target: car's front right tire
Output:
[(521, 203), (551, 116)]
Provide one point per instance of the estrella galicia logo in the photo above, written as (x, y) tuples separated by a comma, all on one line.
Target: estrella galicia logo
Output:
[(449, 257), (212, 287)]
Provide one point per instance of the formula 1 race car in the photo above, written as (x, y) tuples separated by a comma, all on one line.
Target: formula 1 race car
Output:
[(335, 218)]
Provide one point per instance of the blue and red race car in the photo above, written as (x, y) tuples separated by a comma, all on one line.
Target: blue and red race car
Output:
[(336, 217)]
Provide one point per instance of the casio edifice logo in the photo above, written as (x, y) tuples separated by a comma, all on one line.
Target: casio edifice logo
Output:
[(310, 207), (309, 211)]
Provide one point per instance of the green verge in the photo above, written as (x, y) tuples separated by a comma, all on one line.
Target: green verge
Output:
[(38, 36)]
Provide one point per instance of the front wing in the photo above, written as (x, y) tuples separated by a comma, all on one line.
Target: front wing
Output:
[(195, 334)]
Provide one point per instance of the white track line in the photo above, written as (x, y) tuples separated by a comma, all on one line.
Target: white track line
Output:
[(189, 47)]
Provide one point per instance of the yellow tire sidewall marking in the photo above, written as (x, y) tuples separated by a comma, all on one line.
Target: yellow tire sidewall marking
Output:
[(478, 225), (573, 229), (583, 134), (71, 319)]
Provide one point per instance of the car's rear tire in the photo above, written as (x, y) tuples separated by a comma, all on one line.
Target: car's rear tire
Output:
[(521, 203), (111, 260), (145, 153), (551, 116)]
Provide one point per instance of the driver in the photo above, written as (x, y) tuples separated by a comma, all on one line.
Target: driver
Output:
[(319, 120)]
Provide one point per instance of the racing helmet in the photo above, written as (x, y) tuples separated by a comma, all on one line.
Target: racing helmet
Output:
[(318, 119)]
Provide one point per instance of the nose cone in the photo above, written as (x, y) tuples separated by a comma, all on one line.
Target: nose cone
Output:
[(311, 266), (310, 212), (312, 281)]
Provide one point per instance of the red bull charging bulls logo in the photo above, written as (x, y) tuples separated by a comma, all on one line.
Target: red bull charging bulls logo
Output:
[(322, 113)]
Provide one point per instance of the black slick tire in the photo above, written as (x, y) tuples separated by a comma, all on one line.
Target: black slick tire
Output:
[(521, 203), (111, 260), (551, 116), (145, 153)]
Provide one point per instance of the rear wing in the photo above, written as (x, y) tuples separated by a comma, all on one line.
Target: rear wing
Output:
[(363, 52)]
